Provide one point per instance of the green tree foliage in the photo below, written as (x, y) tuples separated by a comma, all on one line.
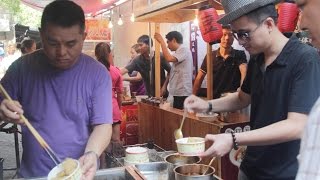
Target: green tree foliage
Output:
[(21, 13), (11, 6)]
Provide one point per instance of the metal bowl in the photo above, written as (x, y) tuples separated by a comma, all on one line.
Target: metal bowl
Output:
[(174, 160), (177, 159), (194, 172)]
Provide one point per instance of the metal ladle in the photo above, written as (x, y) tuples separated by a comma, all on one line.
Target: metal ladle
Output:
[(178, 132)]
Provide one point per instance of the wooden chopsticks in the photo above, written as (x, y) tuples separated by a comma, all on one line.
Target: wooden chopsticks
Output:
[(35, 133)]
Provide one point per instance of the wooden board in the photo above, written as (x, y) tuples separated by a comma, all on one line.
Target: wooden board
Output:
[(157, 77)]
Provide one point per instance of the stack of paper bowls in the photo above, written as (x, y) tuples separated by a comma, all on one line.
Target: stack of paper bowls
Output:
[(136, 155)]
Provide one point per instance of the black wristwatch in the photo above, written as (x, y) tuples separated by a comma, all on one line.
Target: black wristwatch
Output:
[(210, 107)]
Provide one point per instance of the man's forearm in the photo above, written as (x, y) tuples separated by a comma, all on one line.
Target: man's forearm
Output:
[(166, 54), (243, 72), (99, 138), (230, 102), (198, 81)]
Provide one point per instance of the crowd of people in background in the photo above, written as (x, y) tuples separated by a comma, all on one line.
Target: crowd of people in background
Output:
[(14, 51)]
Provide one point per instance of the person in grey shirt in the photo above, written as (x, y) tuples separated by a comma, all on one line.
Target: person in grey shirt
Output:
[(180, 81)]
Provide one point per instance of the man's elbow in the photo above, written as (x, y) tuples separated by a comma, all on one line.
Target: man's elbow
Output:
[(298, 122)]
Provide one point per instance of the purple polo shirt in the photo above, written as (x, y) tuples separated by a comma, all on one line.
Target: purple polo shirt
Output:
[(62, 105)]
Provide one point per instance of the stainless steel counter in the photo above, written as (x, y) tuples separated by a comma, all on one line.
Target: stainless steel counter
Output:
[(120, 173)]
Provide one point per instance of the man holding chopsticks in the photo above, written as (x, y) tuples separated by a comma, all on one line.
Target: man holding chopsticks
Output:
[(62, 92)]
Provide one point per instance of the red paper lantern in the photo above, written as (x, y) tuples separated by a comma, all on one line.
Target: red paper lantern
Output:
[(288, 17), (210, 29)]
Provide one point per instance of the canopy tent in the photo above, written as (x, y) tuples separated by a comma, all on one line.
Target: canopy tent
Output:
[(93, 7)]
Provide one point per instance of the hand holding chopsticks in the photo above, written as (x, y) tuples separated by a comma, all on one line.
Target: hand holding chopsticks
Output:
[(35, 133)]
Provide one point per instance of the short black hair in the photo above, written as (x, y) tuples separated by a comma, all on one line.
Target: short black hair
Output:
[(63, 13), (175, 35), (145, 39), (263, 13)]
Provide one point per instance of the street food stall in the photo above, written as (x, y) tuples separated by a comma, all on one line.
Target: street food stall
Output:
[(150, 124), (158, 121)]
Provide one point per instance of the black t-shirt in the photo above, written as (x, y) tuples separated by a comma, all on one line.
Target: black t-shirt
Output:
[(142, 65), (226, 73), (289, 84)]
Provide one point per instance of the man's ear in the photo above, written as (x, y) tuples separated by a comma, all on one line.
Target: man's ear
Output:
[(41, 33), (270, 22), (84, 35)]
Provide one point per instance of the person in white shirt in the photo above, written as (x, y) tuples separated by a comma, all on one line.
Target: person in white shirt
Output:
[(309, 157), (11, 56), (180, 81)]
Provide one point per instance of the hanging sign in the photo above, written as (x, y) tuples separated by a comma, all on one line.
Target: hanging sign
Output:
[(97, 29)]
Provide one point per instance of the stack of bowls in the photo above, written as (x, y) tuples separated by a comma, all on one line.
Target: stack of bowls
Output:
[(136, 155)]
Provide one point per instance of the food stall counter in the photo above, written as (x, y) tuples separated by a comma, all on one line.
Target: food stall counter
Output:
[(157, 123)]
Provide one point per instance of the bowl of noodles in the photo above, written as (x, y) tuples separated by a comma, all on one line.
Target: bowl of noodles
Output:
[(69, 169), (191, 146)]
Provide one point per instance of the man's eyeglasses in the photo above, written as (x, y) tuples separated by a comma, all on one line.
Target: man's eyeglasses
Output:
[(245, 35)]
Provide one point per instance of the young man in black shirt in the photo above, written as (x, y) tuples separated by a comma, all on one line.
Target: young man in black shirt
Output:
[(145, 67), (282, 84), (229, 67)]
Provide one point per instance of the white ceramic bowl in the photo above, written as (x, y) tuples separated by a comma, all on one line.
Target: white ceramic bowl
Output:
[(191, 146), (75, 175), (137, 155)]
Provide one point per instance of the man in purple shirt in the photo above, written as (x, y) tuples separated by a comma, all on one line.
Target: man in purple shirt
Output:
[(65, 95)]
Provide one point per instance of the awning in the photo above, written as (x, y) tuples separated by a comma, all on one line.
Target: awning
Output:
[(91, 6)]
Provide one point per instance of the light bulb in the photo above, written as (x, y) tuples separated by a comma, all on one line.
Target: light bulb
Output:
[(110, 25), (120, 22), (132, 17), (196, 21)]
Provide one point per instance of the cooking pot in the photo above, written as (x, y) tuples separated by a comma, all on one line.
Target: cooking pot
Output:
[(194, 172)]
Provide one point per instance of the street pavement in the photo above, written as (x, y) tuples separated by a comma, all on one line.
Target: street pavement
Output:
[(7, 152)]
